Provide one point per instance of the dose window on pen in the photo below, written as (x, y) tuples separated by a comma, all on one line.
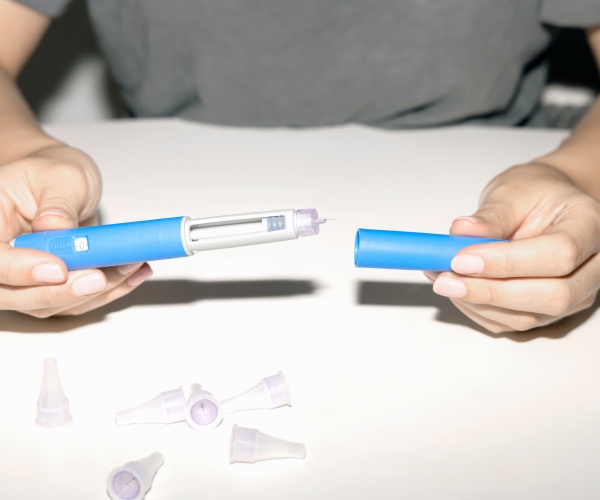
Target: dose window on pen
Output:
[(237, 228), (81, 244)]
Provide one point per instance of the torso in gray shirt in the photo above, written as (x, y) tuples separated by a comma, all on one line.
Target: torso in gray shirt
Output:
[(390, 63)]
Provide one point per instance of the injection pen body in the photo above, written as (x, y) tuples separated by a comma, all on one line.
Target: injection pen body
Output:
[(406, 250), (158, 239)]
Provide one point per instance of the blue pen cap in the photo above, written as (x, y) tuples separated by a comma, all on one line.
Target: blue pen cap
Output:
[(405, 250)]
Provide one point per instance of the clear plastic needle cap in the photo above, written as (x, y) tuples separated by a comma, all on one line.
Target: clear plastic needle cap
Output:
[(270, 392), (202, 409), (250, 446), (166, 408), (133, 480), (308, 222), (53, 405)]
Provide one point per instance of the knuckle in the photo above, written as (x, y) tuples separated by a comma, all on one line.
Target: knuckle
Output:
[(486, 295), (14, 272), (560, 300), (585, 304), (526, 321), (70, 312), (67, 170), (50, 296), (40, 313), (568, 255), (510, 266), (6, 272), (494, 328), (590, 301)]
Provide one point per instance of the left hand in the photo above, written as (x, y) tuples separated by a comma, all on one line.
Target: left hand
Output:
[(551, 267), (56, 187)]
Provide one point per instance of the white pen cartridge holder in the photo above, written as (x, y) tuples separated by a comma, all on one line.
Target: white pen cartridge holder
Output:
[(211, 233)]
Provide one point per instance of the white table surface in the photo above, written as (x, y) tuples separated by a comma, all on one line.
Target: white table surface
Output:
[(395, 393)]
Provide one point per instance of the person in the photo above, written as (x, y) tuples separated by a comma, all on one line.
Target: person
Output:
[(398, 64)]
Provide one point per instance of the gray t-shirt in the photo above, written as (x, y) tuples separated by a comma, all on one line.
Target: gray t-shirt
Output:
[(388, 63)]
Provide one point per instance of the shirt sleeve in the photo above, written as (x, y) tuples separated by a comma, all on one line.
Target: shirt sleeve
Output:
[(52, 8), (571, 13)]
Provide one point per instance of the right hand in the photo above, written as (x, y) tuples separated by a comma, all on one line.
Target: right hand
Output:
[(56, 187)]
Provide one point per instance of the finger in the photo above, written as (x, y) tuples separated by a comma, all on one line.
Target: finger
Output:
[(499, 320), (122, 289), (577, 230), (24, 267), (120, 281), (548, 255), (551, 296), (79, 286), (491, 321)]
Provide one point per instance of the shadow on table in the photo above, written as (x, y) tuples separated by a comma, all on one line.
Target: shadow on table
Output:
[(158, 293), (383, 293)]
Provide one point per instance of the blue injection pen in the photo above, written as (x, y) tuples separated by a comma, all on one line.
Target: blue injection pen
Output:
[(405, 250), (129, 242)]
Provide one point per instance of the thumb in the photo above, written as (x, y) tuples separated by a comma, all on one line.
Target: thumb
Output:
[(48, 219), (485, 223), (498, 216), (64, 201)]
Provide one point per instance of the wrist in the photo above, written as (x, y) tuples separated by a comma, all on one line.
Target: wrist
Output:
[(580, 168), (578, 157)]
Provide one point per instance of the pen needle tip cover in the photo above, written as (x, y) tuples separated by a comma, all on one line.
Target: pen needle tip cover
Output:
[(53, 405), (133, 480), (166, 408), (251, 445)]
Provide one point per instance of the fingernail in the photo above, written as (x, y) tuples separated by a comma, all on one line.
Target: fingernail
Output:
[(48, 273), (129, 268), (55, 212), (449, 287), (467, 264), (470, 218), (140, 276), (89, 284)]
